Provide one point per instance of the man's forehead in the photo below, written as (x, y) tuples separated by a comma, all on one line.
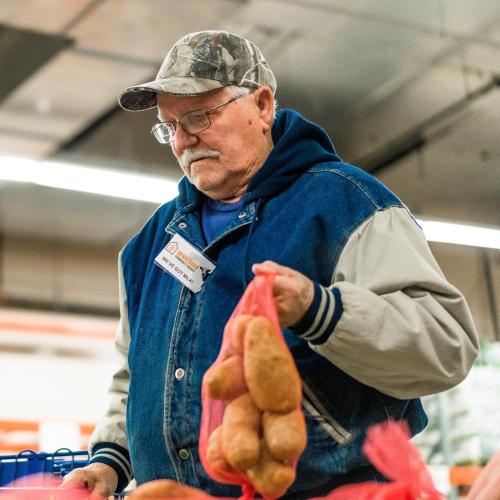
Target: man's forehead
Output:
[(169, 106)]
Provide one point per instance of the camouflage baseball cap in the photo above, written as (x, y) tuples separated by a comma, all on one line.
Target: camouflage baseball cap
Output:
[(200, 62)]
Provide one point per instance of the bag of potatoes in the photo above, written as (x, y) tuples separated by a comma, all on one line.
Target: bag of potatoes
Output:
[(252, 428)]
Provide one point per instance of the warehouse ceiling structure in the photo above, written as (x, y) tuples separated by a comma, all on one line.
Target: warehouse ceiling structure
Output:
[(408, 90)]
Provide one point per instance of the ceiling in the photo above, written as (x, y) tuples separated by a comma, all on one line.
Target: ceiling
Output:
[(408, 90)]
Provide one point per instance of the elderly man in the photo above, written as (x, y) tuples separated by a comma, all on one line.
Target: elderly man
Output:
[(368, 316)]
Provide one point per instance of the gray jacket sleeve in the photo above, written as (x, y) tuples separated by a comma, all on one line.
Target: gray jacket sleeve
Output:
[(390, 319), (108, 443)]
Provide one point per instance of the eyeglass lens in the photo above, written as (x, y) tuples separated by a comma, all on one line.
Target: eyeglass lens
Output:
[(162, 133), (195, 121), (192, 123)]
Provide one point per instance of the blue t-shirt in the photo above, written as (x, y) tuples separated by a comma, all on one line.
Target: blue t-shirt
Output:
[(215, 215)]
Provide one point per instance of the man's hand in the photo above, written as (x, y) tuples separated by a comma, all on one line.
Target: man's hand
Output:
[(293, 292), (487, 485), (100, 480)]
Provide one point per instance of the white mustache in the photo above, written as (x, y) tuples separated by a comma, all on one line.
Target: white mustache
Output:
[(190, 155)]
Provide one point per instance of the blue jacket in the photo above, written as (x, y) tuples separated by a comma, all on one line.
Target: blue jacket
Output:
[(364, 349)]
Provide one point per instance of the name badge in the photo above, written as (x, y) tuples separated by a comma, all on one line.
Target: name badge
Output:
[(185, 263)]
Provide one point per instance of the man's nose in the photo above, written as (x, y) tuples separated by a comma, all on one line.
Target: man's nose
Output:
[(183, 139)]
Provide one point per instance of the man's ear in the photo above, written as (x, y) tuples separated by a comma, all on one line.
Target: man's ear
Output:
[(264, 99)]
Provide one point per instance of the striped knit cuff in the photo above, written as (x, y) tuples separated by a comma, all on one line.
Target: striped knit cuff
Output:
[(115, 456), (322, 317)]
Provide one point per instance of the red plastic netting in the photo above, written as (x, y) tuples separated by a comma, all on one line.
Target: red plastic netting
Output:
[(389, 449), (252, 428)]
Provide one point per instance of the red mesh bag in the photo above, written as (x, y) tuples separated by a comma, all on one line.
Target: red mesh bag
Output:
[(389, 449), (252, 426)]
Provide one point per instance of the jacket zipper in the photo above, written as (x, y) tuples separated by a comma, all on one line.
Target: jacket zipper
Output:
[(316, 410), (223, 235)]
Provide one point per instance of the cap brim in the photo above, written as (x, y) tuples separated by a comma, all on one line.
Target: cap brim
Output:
[(142, 97)]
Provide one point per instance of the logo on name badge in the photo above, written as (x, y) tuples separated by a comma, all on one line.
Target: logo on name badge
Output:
[(172, 247)]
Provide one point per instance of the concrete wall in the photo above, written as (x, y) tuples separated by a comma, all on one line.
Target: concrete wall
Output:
[(59, 273)]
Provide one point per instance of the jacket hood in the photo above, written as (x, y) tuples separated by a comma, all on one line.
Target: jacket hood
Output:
[(298, 145)]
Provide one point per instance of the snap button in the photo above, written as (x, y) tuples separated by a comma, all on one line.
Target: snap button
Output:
[(182, 225), (242, 214), (179, 373), (184, 454)]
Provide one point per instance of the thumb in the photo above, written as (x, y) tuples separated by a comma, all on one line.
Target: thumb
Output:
[(72, 481), (85, 483), (268, 266)]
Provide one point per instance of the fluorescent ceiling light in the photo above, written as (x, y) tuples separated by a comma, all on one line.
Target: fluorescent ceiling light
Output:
[(460, 234), (155, 189), (120, 184)]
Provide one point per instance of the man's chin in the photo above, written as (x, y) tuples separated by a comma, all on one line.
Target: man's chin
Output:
[(208, 187), (203, 161)]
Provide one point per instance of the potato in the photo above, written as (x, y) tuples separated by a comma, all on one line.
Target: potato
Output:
[(166, 489), (270, 477), (236, 331), (270, 371), (285, 434), (219, 465), (226, 380), (240, 432)]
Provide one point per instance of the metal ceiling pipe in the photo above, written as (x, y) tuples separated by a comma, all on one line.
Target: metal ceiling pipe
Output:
[(424, 132)]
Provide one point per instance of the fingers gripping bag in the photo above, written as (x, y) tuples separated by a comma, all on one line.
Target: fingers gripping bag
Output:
[(252, 427)]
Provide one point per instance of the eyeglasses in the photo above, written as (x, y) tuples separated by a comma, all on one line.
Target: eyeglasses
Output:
[(193, 122)]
